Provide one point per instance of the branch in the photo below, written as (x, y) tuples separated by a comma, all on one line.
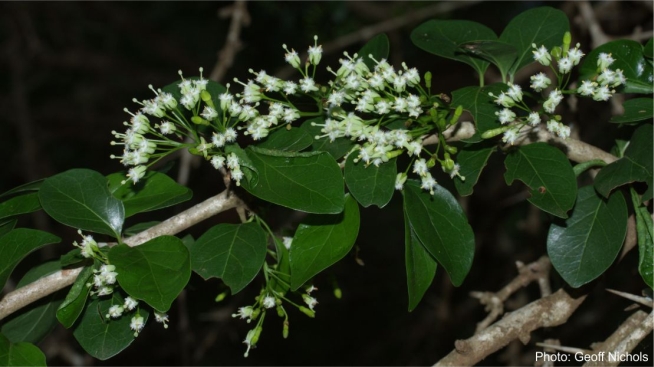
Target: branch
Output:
[(240, 18), (23, 296), (550, 311), (633, 327)]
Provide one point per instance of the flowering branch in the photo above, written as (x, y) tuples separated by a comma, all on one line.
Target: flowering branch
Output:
[(23, 296)]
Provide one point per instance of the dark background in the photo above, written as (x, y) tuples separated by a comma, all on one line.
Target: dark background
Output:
[(69, 69)]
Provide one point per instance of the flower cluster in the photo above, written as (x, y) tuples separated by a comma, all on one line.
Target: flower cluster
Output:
[(561, 60)]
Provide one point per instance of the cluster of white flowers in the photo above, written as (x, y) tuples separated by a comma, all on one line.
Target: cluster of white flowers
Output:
[(88, 247), (565, 61), (104, 280)]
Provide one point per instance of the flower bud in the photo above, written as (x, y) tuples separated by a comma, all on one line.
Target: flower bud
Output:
[(199, 120), (221, 296), (494, 132), (206, 98), (428, 79), (285, 329), (307, 312)]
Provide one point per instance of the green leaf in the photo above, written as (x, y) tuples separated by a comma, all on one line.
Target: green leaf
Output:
[(649, 49), (322, 240), (542, 26), (7, 225), (637, 109), (232, 252), (154, 191), (20, 354), (443, 37), (636, 165), (629, 57), (370, 185), (28, 187), (420, 265), (548, 174), (588, 243), (500, 54), (310, 182), (480, 105), (21, 204), (472, 159), (378, 47), (442, 227), (32, 323), (155, 272), (338, 148), (249, 170), (103, 338), (293, 140), (645, 240), (73, 257), (17, 244), (80, 198), (72, 307)]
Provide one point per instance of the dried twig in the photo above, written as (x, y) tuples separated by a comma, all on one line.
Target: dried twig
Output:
[(240, 18), (632, 297)]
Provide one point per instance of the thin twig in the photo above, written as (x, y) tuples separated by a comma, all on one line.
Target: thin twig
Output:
[(240, 18), (632, 297)]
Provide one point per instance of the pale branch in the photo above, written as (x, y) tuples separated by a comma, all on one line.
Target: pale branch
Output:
[(34, 291), (626, 329), (550, 311), (646, 301), (366, 33), (494, 302)]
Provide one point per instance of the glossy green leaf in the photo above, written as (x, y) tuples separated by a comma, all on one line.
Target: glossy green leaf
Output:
[(637, 109), (337, 148), (80, 198), (33, 322), (21, 204), (73, 305), (649, 49), (155, 272), (472, 159), (322, 240), (154, 191), (25, 188), (636, 165), (480, 105), (588, 243), (310, 182), (293, 140), (232, 252), (500, 54), (629, 57), (442, 227), (378, 47), (17, 244), (443, 37), (7, 225), (370, 185), (542, 26), (20, 354), (645, 239), (420, 265), (103, 338), (548, 174), (73, 257)]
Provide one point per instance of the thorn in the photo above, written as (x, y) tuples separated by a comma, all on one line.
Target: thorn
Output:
[(632, 297)]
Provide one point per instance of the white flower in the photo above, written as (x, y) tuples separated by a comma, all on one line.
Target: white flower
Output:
[(420, 167), (217, 161), (503, 100), (209, 113), (315, 52), (575, 55), (290, 115), (565, 65), (130, 303), (248, 341), (515, 92), (603, 93), (604, 60), (412, 77), (563, 132), (413, 101), (539, 82), (244, 313), (115, 311), (136, 173), (587, 88), (553, 100), (288, 241), (310, 301), (307, 85), (541, 55), (225, 100), (167, 127), (292, 57), (218, 140), (336, 98), (268, 302), (510, 136), (137, 324), (88, 245), (382, 107), (428, 183), (533, 119), (505, 116), (376, 81), (619, 78), (553, 126), (606, 77), (232, 161), (414, 148), (399, 83), (105, 290), (230, 135), (162, 318)]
